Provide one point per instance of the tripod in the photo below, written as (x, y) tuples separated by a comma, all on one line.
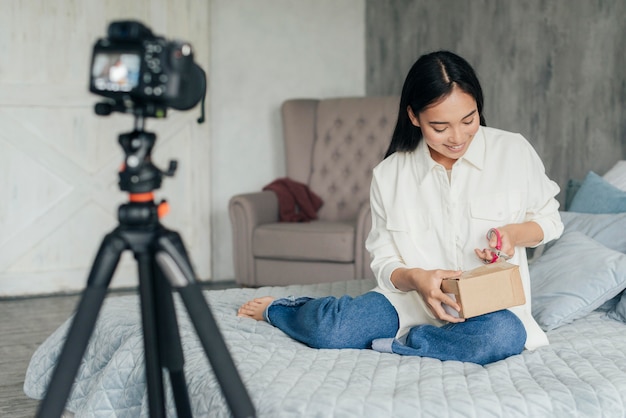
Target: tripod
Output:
[(163, 265)]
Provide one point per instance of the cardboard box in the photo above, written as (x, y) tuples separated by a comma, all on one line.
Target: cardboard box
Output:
[(485, 289)]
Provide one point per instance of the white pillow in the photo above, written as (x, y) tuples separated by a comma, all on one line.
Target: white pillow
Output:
[(617, 175)]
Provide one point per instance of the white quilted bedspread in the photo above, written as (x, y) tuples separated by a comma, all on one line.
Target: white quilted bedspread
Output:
[(581, 374)]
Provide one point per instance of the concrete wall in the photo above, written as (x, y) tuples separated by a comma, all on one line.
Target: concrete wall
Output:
[(551, 70)]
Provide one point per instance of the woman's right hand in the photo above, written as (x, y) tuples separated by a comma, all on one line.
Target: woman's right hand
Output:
[(428, 284)]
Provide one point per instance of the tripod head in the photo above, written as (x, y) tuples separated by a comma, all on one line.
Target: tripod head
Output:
[(138, 173)]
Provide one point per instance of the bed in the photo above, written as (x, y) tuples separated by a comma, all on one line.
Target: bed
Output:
[(577, 296)]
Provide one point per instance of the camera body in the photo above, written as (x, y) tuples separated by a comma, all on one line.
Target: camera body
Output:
[(143, 73)]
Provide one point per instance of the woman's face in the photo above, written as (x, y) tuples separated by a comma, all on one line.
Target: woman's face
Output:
[(448, 126)]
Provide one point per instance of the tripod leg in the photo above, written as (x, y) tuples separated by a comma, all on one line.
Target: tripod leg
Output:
[(174, 262), (154, 374), (169, 343), (82, 326)]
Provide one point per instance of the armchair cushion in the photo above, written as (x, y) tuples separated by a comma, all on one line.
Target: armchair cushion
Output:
[(306, 241)]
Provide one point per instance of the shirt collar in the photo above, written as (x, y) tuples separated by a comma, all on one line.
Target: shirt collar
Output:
[(475, 155)]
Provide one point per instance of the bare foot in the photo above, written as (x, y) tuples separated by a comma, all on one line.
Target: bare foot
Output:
[(255, 308)]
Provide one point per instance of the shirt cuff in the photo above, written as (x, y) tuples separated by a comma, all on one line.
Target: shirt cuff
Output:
[(385, 276), (552, 229)]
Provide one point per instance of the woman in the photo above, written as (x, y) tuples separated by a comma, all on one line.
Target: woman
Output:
[(446, 180)]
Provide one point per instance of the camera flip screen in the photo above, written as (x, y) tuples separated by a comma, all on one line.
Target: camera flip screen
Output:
[(116, 71)]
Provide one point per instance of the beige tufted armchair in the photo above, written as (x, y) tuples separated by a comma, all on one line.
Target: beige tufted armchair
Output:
[(331, 145)]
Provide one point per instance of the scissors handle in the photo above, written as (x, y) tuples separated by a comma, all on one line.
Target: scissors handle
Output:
[(496, 254)]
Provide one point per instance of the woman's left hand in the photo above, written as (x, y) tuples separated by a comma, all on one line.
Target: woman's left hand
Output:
[(507, 245), (526, 234)]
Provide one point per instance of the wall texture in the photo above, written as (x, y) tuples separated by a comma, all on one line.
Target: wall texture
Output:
[(262, 53), (59, 160), (552, 70)]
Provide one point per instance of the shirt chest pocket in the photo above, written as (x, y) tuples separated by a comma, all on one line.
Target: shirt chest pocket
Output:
[(500, 208), (407, 223)]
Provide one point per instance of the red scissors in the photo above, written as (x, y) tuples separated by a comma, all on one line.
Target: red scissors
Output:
[(497, 252)]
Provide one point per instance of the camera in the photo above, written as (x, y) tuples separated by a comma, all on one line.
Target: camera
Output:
[(142, 73)]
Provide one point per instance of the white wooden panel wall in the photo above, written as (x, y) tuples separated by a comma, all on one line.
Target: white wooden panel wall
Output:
[(59, 161)]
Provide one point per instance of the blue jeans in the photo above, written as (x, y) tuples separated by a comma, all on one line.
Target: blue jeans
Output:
[(370, 321)]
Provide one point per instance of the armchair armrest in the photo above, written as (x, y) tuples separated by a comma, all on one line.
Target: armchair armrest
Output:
[(362, 257), (246, 212)]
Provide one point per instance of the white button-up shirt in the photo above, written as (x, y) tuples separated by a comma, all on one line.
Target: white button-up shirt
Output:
[(424, 217)]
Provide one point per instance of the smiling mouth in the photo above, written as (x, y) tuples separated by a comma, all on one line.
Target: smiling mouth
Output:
[(455, 147)]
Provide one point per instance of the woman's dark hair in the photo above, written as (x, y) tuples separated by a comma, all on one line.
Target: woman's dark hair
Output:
[(432, 77)]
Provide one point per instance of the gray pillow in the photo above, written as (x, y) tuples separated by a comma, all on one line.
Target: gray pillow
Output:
[(619, 311), (606, 228), (574, 277)]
